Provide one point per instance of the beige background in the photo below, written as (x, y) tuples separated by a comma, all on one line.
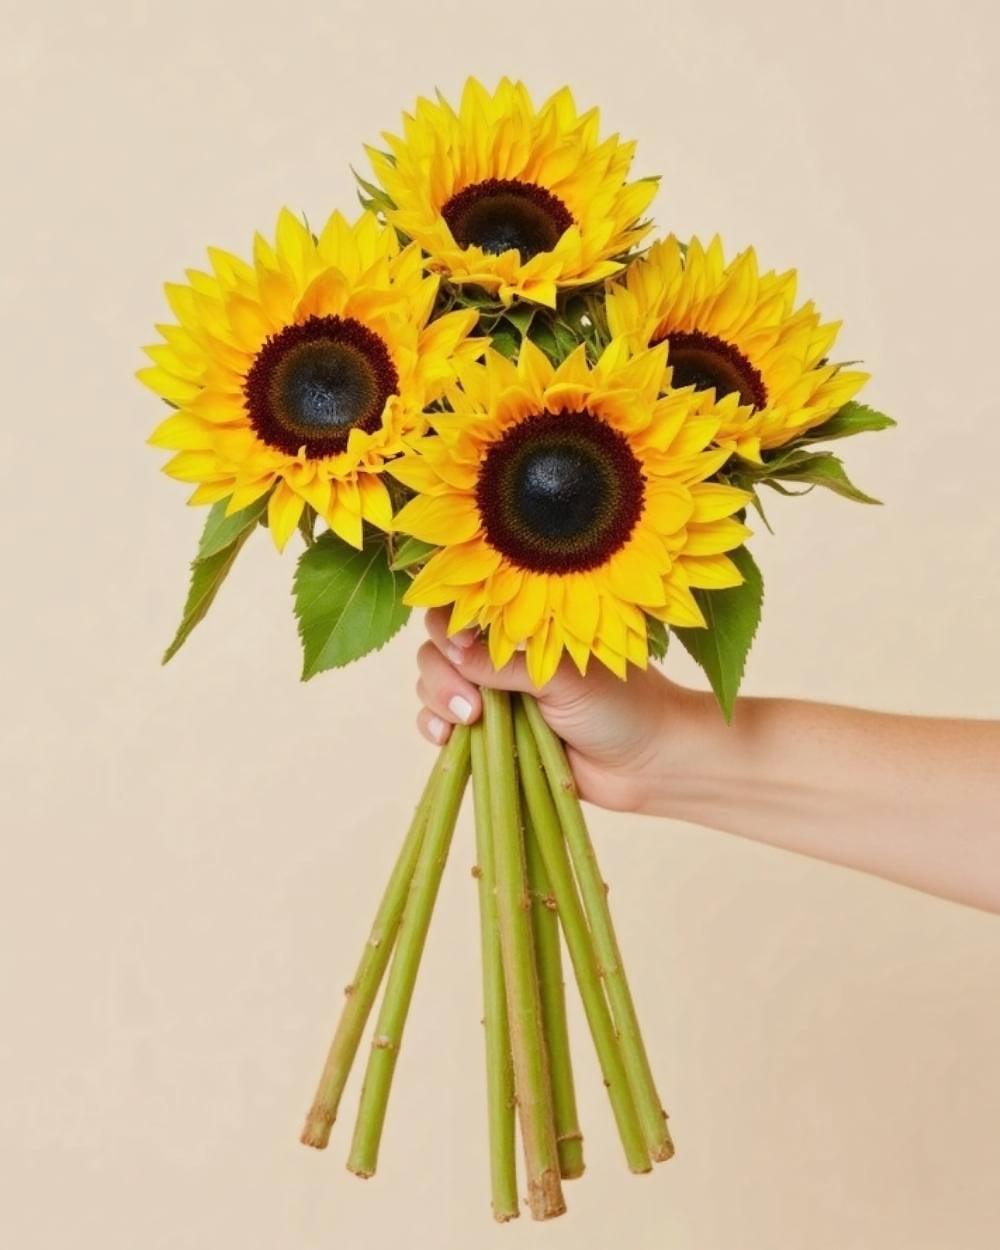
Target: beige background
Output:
[(192, 855)]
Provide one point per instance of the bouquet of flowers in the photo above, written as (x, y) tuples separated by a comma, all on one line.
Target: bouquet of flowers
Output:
[(483, 394)]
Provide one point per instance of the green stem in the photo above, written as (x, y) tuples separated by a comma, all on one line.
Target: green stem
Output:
[(499, 1069), (524, 1013), (548, 959), (454, 766), (367, 979), (548, 830), (595, 900)]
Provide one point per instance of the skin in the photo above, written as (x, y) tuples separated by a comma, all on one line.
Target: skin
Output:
[(913, 799)]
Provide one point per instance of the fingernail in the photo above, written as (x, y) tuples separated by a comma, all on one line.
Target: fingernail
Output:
[(455, 654), (461, 707), (436, 728), (465, 638)]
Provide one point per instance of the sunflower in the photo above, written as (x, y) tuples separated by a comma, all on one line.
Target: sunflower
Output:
[(568, 502), (735, 335), (517, 200), (300, 373)]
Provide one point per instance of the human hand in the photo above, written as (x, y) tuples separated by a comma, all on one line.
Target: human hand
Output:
[(625, 740)]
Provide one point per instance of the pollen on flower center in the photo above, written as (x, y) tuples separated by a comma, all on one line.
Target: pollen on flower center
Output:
[(313, 382), (710, 363), (560, 492), (502, 214)]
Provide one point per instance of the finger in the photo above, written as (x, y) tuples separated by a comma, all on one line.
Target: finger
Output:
[(432, 727), (473, 662), (468, 654), (437, 623), (445, 691)]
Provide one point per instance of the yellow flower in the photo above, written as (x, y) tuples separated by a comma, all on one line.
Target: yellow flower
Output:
[(568, 502), (302, 372), (518, 200), (736, 336)]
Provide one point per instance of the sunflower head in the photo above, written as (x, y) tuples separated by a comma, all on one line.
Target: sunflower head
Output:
[(300, 372), (734, 335), (518, 200), (568, 504)]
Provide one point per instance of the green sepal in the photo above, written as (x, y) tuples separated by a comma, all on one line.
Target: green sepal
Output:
[(221, 541), (732, 616), (348, 602), (821, 468), (307, 525), (657, 638), (851, 419), (471, 296), (409, 552), (372, 197)]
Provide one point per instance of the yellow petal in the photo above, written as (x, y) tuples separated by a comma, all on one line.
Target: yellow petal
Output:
[(633, 579), (283, 511), (581, 606), (611, 659), (417, 473), (345, 522), (376, 506), (711, 572), (440, 519), (543, 652), (500, 645), (680, 607), (211, 492), (504, 584), (713, 501), (464, 563), (525, 612), (247, 493), (182, 432), (668, 505), (715, 537), (177, 390)]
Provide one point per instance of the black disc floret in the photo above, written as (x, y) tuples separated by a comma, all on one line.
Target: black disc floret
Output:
[(313, 382)]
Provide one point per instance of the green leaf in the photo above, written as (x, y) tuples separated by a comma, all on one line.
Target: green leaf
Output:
[(520, 316), (851, 419), (506, 341), (733, 616), (410, 551), (657, 637), (820, 468), (222, 531), (348, 603), (207, 575), (543, 337)]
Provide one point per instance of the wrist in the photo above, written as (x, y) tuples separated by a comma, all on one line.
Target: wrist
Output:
[(696, 760)]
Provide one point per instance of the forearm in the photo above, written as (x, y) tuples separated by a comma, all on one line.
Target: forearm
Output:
[(912, 799)]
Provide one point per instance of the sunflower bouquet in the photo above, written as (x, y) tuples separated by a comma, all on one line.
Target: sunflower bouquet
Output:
[(482, 395)]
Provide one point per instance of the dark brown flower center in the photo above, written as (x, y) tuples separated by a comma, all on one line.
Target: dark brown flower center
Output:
[(312, 383), (560, 492), (504, 213), (709, 363)]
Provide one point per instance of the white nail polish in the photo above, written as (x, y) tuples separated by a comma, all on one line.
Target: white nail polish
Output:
[(436, 728), (455, 654), (461, 707)]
